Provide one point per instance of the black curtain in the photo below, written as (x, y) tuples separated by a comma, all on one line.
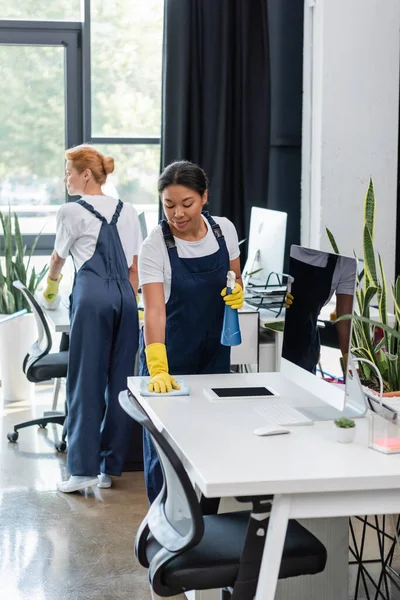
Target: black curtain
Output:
[(216, 99)]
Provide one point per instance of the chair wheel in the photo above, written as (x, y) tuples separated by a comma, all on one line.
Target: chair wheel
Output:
[(61, 447), (43, 425), (12, 437)]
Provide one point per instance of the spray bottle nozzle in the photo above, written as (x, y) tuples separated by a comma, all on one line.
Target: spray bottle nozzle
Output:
[(231, 279), (289, 283)]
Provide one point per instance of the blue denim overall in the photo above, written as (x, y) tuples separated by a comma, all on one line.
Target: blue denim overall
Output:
[(103, 346), (195, 312)]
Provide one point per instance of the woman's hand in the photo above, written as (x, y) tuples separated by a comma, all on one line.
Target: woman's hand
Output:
[(236, 298)]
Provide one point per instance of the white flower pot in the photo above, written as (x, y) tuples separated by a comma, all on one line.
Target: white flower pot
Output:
[(345, 435), (16, 337)]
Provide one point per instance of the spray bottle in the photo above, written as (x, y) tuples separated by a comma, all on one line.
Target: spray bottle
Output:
[(290, 280), (230, 335)]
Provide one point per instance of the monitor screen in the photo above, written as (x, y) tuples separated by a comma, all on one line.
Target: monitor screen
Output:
[(266, 246), (323, 287)]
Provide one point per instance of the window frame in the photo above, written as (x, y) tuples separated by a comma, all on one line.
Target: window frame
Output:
[(58, 34)]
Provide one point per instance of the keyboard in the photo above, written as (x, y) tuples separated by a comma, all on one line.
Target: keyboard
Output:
[(283, 414)]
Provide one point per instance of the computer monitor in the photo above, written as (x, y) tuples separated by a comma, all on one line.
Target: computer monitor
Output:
[(143, 225), (266, 246), (323, 285)]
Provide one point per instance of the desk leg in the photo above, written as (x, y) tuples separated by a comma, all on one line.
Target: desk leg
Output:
[(278, 350), (273, 549), (56, 391)]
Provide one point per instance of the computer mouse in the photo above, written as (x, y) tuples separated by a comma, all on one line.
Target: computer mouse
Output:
[(271, 430)]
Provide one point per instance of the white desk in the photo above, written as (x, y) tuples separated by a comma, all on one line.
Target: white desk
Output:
[(307, 471), (59, 318), (246, 353)]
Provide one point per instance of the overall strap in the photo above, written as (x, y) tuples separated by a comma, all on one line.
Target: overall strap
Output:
[(90, 208), (216, 229), (168, 237), (332, 260), (115, 217)]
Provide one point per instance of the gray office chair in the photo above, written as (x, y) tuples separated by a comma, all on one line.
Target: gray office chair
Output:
[(40, 366), (184, 550)]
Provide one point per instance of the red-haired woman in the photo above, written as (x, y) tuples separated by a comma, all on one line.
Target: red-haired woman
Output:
[(103, 236)]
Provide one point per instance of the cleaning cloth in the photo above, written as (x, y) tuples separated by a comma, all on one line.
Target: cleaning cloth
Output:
[(144, 389)]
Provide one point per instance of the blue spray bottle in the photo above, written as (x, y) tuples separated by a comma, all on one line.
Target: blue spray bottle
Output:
[(230, 335)]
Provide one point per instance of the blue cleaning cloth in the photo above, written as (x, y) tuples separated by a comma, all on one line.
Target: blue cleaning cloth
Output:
[(144, 390)]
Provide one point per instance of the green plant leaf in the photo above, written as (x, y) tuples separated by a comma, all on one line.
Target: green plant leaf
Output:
[(31, 283), (369, 209), (254, 272), (382, 294), (368, 297), (277, 326), (16, 267), (371, 322), (396, 299), (18, 240), (332, 241), (369, 259), (38, 279), (344, 423)]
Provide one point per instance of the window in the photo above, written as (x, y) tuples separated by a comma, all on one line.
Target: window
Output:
[(135, 177), (41, 10), (32, 132), (126, 76), (126, 51), (65, 81)]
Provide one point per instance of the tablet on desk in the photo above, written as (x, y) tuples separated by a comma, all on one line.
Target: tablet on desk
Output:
[(239, 393)]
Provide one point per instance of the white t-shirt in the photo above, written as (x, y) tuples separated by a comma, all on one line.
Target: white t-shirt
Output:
[(344, 275), (78, 229), (154, 263)]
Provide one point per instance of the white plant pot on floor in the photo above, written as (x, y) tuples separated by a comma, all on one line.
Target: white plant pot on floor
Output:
[(17, 334)]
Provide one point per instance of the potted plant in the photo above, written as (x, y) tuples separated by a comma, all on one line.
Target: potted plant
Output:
[(17, 324), (377, 340), (345, 430)]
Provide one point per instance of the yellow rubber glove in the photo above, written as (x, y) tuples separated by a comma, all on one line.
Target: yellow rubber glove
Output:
[(51, 290), (333, 316), (157, 363), (236, 298), (288, 300)]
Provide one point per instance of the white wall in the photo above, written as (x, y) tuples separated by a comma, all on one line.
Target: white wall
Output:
[(350, 121)]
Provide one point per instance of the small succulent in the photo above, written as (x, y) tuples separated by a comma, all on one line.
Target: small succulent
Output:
[(344, 423)]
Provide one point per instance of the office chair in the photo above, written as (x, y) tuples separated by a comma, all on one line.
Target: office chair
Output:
[(185, 550), (40, 366)]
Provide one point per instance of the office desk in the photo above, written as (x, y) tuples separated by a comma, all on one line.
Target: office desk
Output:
[(59, 319), (307, 471), (246, 353)]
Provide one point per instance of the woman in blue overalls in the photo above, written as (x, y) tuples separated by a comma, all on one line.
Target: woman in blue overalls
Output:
[(182, 270), (100, 233)]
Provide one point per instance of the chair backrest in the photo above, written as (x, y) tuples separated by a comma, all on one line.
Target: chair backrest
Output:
[(44, 342), (175, 519)]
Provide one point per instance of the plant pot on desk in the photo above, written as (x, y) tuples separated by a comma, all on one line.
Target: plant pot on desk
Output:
[(345, 436), (345, 430), (391, 394), (17, 334)]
